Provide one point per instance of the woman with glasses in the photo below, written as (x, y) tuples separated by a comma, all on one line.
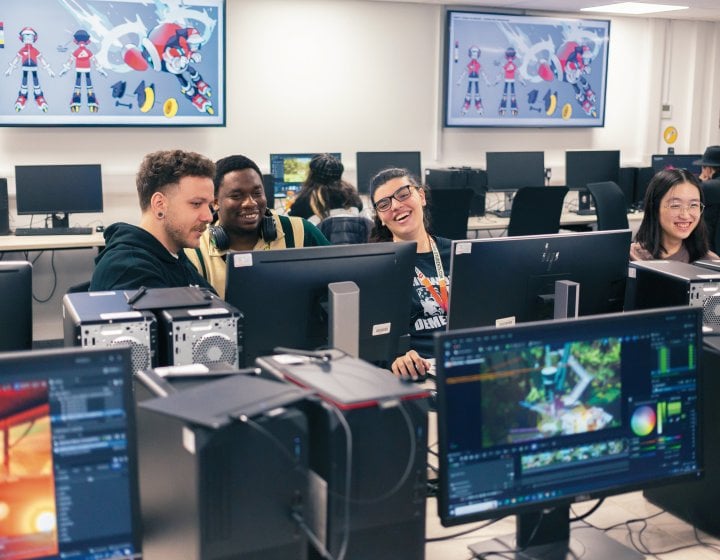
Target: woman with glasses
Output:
[(672, 227), (400, 203)]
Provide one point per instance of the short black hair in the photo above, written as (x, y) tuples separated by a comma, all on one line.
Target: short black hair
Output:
[(232, 163)]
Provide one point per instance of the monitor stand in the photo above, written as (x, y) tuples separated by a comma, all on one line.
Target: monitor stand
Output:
[(344, 317), (60, 220), (554, 541)]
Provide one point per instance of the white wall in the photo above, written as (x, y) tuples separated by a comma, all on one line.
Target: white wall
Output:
[(342, 75)]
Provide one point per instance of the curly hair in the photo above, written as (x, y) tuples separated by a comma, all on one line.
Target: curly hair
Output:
[(162, 169), (649, 234)]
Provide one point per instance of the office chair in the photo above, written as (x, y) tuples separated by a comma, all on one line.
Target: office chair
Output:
[(610, 205), (343, 230), (449, 212), (536, 211)]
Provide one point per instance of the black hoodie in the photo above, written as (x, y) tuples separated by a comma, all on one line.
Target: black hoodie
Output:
[(133, 257)]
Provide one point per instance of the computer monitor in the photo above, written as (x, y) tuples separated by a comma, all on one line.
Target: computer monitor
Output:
[(16, 322), (283, 296), (501, 280), (58, 190), (591, 166), (677, 161), (533, 418), (368, 164), (509, 171), (68, 478), (289, 171)]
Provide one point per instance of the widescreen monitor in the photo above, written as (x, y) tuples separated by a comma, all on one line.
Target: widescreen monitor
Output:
[(508, 171), (368, 164), (58, 190), (16, 322), (533, 418), (501, 280), (283, 296), (677, 161), (289, 171), (68, 480)]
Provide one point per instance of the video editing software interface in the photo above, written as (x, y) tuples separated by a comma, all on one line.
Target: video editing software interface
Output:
[(68, 480), (289, 171), (534, 415), (677, 161)]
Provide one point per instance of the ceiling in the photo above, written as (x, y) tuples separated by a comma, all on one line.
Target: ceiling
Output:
[(704, 10)]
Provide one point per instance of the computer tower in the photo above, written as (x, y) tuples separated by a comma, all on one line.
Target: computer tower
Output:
[(668, 283), (458, 178), (200, 335), (4, 208), (368, 455), (105, 319), (697, 501), (223, 470)]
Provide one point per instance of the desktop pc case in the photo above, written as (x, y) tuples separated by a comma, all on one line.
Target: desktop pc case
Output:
[(697, 502), (200, 335), (384, 519), (668, 283), (105, 319), (214, 487)]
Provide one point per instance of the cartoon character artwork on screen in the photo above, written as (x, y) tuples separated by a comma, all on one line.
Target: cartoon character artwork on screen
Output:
[(509, 71), (571, 65), (472, 71), (83, 60), (158, 42), (29, 58)]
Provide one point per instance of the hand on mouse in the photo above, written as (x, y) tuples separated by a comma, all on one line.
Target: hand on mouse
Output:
[(411, 366)]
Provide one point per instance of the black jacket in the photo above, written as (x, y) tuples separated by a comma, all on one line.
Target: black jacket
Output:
[(711, 194), (133, 257)]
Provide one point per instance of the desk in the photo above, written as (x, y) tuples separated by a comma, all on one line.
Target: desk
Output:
[(50, 242), (492, 222)]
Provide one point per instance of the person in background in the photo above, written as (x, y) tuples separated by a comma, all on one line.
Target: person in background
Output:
[(324, 193), (672, 228), (175, 189), (400, 203), (710, 177), (244, 222)]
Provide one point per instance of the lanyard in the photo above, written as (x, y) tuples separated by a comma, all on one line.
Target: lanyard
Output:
[(442, 297)]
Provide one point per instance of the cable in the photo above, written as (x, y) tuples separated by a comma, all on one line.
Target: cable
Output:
[(589, 512), (54, 275)]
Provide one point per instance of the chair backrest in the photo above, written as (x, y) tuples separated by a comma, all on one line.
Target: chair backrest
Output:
[(449, 212), (15, 305), (610, 205), (536, 211), (343, 230)]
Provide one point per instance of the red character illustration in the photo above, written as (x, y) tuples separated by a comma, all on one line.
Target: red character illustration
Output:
[(172, 48), (473, 72), (29, 57), (83, 60), (571, 65), (510, 68)]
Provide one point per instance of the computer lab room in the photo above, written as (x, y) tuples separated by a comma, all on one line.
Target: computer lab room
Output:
[(501, 343)]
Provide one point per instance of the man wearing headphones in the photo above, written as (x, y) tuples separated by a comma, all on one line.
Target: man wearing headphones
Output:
[(175, 189), (244, 222)]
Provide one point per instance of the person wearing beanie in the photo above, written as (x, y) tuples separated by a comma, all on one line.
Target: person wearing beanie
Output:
[(710, 177), (324, 193)]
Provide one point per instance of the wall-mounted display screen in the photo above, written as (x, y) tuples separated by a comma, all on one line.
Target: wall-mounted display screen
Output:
[(103, 62), (524, 71)]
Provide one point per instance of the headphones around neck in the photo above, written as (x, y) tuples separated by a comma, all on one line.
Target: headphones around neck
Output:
[(221, 240)]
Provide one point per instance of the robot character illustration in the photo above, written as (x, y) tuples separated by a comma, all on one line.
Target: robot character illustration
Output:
[(172, 48), (571, 64), (473, 71), (29, 57), (83, 60), (509, 70)]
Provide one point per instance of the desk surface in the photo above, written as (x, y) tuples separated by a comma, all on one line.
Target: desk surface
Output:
[(48, 242), (491, 221)]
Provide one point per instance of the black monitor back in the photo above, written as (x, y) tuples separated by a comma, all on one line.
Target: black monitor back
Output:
[(370, 163), (512, 170), (591, 166)]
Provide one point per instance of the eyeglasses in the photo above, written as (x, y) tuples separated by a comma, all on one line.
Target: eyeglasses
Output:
[(402, 194), (694, 208)]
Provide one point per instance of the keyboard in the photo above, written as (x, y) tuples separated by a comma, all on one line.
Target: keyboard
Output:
[(585, 212), (54, 231), (501, 213)]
